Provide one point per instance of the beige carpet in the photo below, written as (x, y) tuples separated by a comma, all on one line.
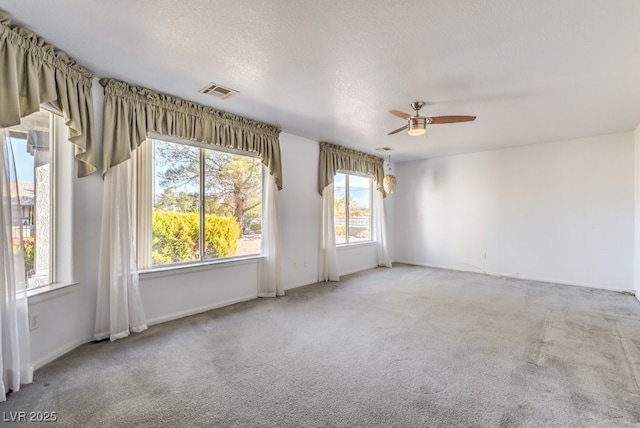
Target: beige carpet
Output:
[(400, 347)]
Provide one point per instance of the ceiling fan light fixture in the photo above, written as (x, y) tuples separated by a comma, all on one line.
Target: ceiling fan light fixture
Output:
[(417, 126)]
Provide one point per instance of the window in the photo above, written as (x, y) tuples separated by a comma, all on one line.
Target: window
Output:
[(352, 208), (35, 211), (206, 204)]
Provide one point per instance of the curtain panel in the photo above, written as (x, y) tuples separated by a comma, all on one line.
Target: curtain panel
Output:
[(32, 72), (131, 112), (119, 308), (15, 343), (328, 266), (270, 274), (334, 158)]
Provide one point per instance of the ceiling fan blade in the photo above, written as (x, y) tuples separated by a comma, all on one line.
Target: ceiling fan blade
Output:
[(398, 130), (451, 119), (400, 114)]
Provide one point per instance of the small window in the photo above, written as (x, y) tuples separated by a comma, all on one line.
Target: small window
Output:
[(352, 208), (207, 204), (31, 147)]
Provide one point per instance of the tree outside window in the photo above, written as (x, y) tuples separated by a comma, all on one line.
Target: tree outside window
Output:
[(207, 204)]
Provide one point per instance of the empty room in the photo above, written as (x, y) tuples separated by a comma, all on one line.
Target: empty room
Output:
[(319, 213)]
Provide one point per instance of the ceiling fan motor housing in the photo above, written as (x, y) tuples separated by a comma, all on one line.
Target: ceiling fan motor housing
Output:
[(417, 125)]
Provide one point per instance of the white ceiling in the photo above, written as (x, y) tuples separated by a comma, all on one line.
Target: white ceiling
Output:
[(329, 70)]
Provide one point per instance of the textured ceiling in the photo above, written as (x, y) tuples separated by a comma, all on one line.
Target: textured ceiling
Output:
[(532, 71)]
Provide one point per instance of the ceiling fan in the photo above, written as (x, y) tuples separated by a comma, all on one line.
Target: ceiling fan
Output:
[(417, 125)]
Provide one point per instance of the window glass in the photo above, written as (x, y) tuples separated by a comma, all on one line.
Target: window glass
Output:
[(29, 144), (233, 204), (176, 210), (359, 208), (352, 208), (207, 204), (340, 207)]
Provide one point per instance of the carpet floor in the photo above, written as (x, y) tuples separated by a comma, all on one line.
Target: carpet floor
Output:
[(402, 347)]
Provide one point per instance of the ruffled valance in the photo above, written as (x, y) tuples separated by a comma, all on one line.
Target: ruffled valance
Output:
[(32, 72), (131, 112), (335, 158)]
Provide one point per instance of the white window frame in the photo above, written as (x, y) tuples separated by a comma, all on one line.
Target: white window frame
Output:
[(61, 179), (346, 209), (145, 191)]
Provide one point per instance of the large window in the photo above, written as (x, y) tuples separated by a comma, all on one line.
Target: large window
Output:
[(352, 208), (32, 147), (207, 204)]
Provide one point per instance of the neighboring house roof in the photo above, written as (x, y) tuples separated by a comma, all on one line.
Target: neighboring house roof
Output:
[(25, 191)]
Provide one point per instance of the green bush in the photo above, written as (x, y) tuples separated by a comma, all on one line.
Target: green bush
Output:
[(221, 235), (175, 236), (29, 253)]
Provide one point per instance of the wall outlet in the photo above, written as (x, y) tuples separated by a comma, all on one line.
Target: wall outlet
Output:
[(484, 255), (34, 321), (306, 264)]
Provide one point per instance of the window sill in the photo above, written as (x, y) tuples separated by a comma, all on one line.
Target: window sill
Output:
[(355, 245), (159, 272), (47, 289)]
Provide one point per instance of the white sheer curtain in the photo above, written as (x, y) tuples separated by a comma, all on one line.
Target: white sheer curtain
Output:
[(270, 281), (15, 356), (328, 258), (379, 229), (142, 203), (119, 309)]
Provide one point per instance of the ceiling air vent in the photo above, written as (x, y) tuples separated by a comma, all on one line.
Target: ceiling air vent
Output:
[(218, 91)]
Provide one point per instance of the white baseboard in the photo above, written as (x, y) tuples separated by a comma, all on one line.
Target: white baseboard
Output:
[(304, 283), (198, 310), (515, 276), (360, 269), (56, 353), (300, 284)]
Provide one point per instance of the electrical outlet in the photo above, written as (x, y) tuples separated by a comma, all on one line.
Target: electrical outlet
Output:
[(484, 255), (34, 321), (306, 264)]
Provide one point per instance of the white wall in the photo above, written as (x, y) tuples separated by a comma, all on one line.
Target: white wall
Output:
[(636, 258), (176, 293), (300, 210), (561, 212), (67, 315)]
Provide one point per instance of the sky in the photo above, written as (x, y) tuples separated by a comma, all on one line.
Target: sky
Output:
[(24, 161), (358, 188)]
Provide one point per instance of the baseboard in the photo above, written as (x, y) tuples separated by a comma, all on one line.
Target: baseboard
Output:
[(358, 270), (475, 269), (198, 310), (305, 283), (300, 284), (56, 353)]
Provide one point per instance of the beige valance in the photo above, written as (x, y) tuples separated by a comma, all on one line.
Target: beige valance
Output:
[(335, 158), (32, 72), (131, 112)]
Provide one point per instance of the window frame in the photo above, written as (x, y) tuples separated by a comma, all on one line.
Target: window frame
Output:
[(203, 261), (346, 209), (61, 199)]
